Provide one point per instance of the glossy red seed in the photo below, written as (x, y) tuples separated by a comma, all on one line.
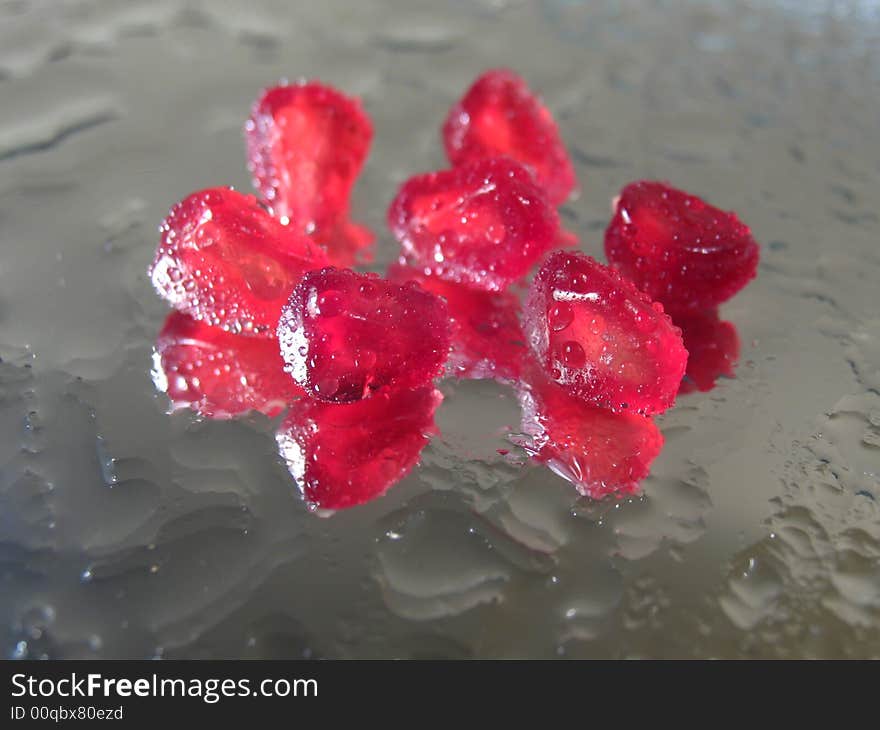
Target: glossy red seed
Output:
[(713, 349), (487, 339), (499, 115), (306, 144), (484, 224), (344, 335), (224, 260), (218, 374), (601, 338), (341, 456), (678, 249), (600, 452)]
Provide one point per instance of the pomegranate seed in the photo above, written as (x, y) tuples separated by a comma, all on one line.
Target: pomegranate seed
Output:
[(306, 144), (484, 224), (344, 335), (678, 249), (601, 338), (487, 339), (499, 115), (224, 260)]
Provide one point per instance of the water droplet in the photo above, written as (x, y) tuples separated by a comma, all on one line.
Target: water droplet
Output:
[(573, 355), (330, 304), (560, 316)]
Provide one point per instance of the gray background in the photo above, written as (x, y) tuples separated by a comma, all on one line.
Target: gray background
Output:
[(126, 532)]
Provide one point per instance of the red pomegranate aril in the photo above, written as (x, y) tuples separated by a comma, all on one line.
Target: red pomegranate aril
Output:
[(345, 455), (217, 374), (484, 224), (499, 115), (487, 339), (602, 339), (344, 335), (224, 260), (677, 248), (306, 145)]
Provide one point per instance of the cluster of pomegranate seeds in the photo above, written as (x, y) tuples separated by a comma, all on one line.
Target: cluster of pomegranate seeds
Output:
[(218, 374), (484, 224), (487, 338), (268, 318), (500, 116), (341, 456), (306, 144), (678, 249), (224, 260), (601, 338), (344, 335), (599, 451)]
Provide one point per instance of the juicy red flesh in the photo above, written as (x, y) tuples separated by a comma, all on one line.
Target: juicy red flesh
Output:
[(487, 339), (483, 224), (341, 456), (600, 452), (601, 338), (678, 249), (306, 144), (217, 374), (499, 115), (224, 260), (344, 335), (713, 349)]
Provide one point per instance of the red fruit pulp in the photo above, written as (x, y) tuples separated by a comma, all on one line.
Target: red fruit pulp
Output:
[(483, 224), (341, 456), (344, 335), (306, 144), (599, 451), (499, 115), (224, 260), (713, 349), (677, 248), (487, 339), (218, 374), (601, 338)]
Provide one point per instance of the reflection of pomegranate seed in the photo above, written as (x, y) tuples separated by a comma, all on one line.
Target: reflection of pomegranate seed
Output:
[(306, 145), (601, 338), (217, 374), (713, 349), (678, 249), (484, 224), (487, 340), (600, 452), (224, 260), (345, 455), (499, 115), (344, 335)]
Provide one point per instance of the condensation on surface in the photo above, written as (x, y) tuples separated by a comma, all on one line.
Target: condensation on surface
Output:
[(129, 532)]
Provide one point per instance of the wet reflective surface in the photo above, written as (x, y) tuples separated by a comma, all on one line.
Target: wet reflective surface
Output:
[(126, 531)]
